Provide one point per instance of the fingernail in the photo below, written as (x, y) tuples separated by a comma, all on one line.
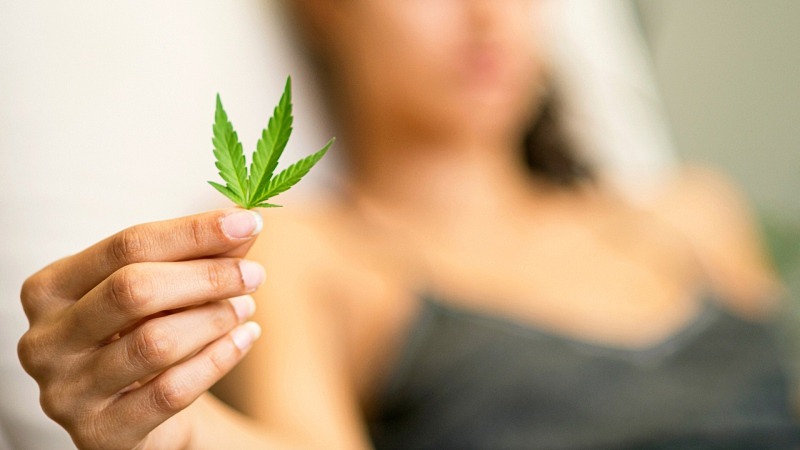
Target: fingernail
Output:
[(244, 335), (252, 274), (242, 224), (244, 306)]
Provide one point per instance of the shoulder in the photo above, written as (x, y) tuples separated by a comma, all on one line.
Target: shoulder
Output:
[(709, 207), (317, 248), (714, 216), (331, 264), (324, 265), (295, 242)]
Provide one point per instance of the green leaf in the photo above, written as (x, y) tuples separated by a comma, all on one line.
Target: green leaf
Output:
[(272, 143), (230, 157), (254, 190), (294, 173), (228, 193)]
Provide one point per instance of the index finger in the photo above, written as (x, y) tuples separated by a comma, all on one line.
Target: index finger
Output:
[(226, 232)]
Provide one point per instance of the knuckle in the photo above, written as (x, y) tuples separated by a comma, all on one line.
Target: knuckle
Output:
[(32, 351), (32, 292), (26, 352), (219, 363), (224, 317), (169, 395), (129, 246), (199, 233), (91, 430), (217, 276), (53, 403), (85, 439), (64, 402), (28, 303), (152, 347), (127, 289)]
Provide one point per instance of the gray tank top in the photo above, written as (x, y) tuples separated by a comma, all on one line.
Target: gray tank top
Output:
[(467, 380)]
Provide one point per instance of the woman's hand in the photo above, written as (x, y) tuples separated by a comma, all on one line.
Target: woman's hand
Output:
[(131, 331)]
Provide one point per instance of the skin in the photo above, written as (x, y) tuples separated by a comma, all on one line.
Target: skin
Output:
[(430, 98), (108, 325)]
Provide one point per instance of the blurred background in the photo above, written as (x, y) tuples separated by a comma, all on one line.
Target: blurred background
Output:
[(729, 75), (112, 103), (119, 75)]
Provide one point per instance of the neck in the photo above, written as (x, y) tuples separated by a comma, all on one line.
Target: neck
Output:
[(440, 178)]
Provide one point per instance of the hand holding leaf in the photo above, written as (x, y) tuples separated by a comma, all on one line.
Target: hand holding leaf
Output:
[(254, 190)]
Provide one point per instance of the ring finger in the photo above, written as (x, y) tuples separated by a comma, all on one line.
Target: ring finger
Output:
[(159, 343)]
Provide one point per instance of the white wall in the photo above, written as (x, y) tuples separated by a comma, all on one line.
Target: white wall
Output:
[(729, 72), (105, 121)]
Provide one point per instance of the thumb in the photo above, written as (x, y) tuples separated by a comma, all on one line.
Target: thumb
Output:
[(253, 227)]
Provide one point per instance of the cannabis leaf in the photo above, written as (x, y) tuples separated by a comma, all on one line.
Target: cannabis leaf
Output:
[(254, 190)]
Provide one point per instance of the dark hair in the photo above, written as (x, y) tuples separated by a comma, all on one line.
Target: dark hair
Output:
[(549, 154)]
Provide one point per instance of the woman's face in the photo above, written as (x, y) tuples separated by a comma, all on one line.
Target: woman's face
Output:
[(469, 67)]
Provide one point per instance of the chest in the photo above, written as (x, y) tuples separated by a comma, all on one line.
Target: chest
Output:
[(470, 380), (627, 283), (628, 288)]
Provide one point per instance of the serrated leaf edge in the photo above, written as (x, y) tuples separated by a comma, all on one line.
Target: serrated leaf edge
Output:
[(270, 147), (294, 173), (242, 188), (230, 159)]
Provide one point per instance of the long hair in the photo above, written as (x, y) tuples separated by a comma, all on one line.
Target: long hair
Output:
[(547, 151)]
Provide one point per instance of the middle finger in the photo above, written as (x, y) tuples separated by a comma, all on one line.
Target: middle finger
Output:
[(137, 291), (161, 342)]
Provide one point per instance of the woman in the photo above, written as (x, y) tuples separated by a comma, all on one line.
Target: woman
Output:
[(456, 295)]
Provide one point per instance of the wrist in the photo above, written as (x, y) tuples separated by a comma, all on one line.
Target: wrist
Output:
[(215, 425), (197, 418)]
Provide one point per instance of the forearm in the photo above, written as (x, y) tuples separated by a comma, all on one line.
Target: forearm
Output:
[(216, 426)]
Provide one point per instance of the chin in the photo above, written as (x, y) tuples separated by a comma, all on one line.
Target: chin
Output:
[(495, 112)]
